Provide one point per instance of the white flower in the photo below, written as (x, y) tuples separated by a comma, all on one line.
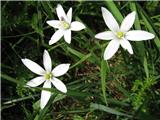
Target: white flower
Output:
[(120, 35), (64, 25), (46, 76)]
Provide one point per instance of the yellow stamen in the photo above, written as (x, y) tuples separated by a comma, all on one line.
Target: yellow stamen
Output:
[(65, 25), (48, 76), (120, 35)]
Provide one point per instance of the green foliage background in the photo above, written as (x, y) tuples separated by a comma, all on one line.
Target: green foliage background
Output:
[(123, 88)]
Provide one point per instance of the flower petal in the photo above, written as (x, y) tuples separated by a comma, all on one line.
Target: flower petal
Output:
[(67, 36), (56, 36), (139, 35), (107, 35), (128, 22), (111, 49), (59, 85), (110, 20), (54, 23), (60, 13), (60, 69), (126, 45), (69, 15), (34, 67), (47, 61), (45, 95), (36, 81), (77, 26)]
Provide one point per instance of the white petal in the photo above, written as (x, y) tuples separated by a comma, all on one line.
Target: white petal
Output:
[(59, 85), (126, 45), (69, 15), (107, 35), (60, 69), (77, 26), (128, 22), (139, 35), (111, 49), (54, 23), (56, 36), (36, 81), (47, 61), (67, 36), (34, 67), (110, 20), (60, 13), (45, 95)]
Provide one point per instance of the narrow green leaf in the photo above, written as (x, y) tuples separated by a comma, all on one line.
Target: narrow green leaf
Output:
[(117, 102), (139, 44), (6, 66), (79, 94), (69, 93), (36, 118), (47, 9), (103, 72), (6, 106), (35, 23), (6, 77), (136, 22), (81, 60), (149, 25), (54, 47), (75, 52), (36, 105), (95, 106), (19, 99), (145, 64), (115, 11), (59, 97)]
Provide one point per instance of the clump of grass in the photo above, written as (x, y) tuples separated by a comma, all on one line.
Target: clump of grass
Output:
[(123, 88)]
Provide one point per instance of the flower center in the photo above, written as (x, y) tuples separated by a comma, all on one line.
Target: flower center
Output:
[(48, 76), (120, 35), (65, 25)]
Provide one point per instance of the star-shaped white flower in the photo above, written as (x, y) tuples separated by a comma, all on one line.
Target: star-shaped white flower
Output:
[(46, 76), (120, 35), (64, 25)]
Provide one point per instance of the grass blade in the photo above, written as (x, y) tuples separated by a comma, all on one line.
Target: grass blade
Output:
[(95, 106), (139, 44), (146, 67), (103, 74), (75, 52), (81, 60), (149, 25), (6, 77), (115, 11)]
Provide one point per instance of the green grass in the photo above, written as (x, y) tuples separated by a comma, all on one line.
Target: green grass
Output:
[(125, 87)]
